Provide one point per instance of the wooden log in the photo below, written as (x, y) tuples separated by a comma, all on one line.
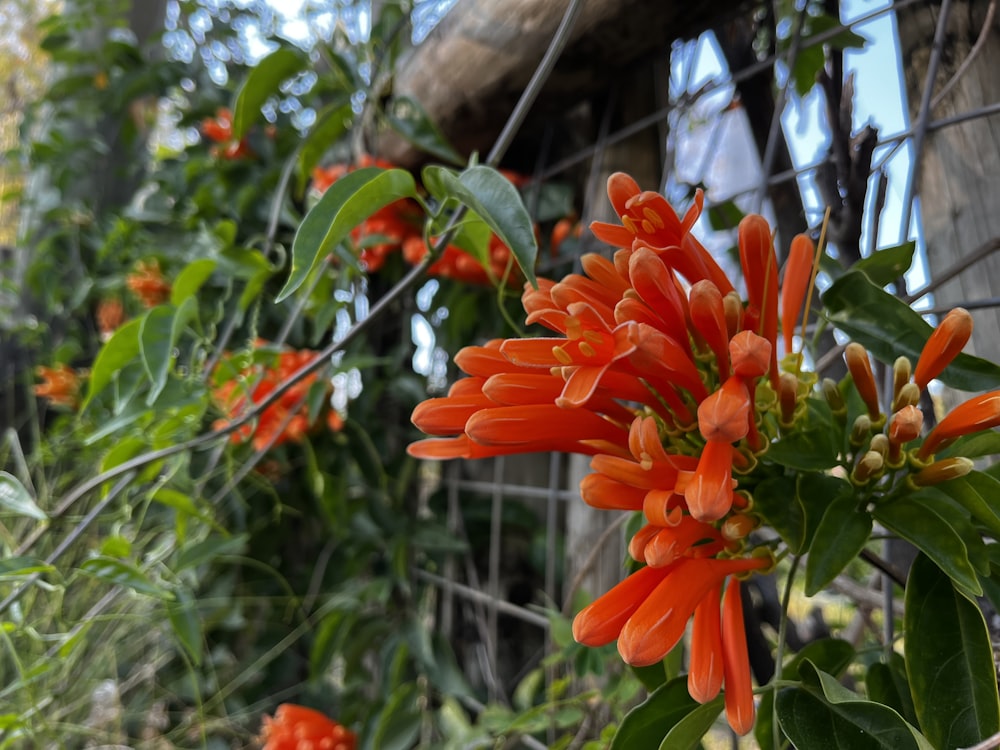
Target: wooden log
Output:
[(470, 71)]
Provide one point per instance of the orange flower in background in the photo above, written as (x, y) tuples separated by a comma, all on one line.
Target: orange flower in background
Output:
[(220, 130), (148, 284), (299, 728), (61, 386), (110, 315), (945, 343), (455, 263), (287, 419)]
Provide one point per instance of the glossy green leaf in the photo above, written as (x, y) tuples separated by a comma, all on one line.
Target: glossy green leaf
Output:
[(888, 328), (186, 625), (814, 492), (15, 498), (771, 500), (979, 494), (949, 660), (923, 527), (842, 533), (348, 202), (408, 118), (191, 278), (120, 350), (688, 733), (958, 518), (262, 82), (887, 683), (976, 445), (491, 195), (832, 655), (156, 346), (648, 723), (824, 715), (887, 265), (121, 573), (810, 449)]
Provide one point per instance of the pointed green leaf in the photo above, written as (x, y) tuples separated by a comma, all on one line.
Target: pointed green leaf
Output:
[(15, 498), (262, 82), (842, 533), (771, 499), (979, 494), (888, 328), (886, 265), (688, 733), (824, 715), (11, 567), (348, 202), (887, 683), (196, 553), (949, 660), (186, 625), (832, 655), (190, 280), (491, 195), (120, 350), (408, 118), (920, 525), (648, 723)]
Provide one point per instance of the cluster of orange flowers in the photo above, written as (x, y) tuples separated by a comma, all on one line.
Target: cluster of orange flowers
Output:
[(287, 419), (148, 284), (397, 226), (220, 130), (299, 728), (60, 385), (661, 372)]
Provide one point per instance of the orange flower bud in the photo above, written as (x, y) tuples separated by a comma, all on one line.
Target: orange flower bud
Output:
[(723, 416), (740, 711), (942, 471), (947, 340), (798, 271), (906, 425), (864, 381), (750, 354), (901, 370), (978, 413), (870, 465), (708, 315)]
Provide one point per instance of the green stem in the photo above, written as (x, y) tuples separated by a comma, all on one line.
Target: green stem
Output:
[(779, 654)]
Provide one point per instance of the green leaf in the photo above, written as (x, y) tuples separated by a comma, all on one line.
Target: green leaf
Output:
[(771, 499), (842, 533), (976, 445), (348, 202), (887, 683), (206, 550), (917, 523), (121, 573), (156, 347), (331, 124), (648, 723), (888, 328), (262, 82), (490, 195), (814, 492), (12, 567), (119, 351), (814, 448), (949, 660), (15, 498), (824, 715), (190, 280), (408, 118), (979, 494), (887, 265), (832, 655), (688, 733), (398, 724), (186, 625)]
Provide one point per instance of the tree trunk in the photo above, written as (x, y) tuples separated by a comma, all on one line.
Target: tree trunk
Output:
[(959, 169)]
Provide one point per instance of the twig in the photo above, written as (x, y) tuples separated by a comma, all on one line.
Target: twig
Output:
[(984, 34)]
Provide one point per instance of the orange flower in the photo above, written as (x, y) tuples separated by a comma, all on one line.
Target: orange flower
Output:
[(220, 130), (299, 728), (287, 419), (148, 284), (944, 344), (735, 660), (798, 272), (110, 315), (978, 413), (860, 368), (61, 386)]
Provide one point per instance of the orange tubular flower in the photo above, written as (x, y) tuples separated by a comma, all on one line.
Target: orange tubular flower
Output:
[(860, 368), (61, 386), (978, 413), (656, 381), (220, 130), (944, 344), (299, 728), (798, 271), (735, 659), (110, 315), (148, 284)]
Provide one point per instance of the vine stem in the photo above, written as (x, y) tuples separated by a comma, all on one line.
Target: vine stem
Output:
[(779, 654)]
